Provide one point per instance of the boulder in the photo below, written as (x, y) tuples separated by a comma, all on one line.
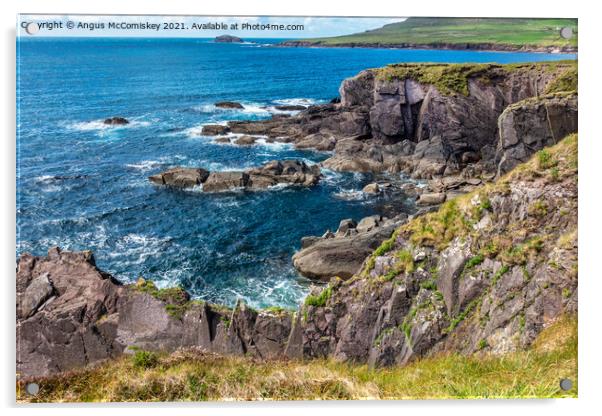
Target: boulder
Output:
[(369, 223), (371, 188), (229, 105), (431, 198), (181, 177), (214, 130), (245, 140), (116, 121), (343, 253)]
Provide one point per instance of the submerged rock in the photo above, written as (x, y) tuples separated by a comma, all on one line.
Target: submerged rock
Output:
[(229, 104), (116, 121)]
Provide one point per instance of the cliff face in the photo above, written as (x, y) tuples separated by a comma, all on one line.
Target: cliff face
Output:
[(488, 271), (434, 120)]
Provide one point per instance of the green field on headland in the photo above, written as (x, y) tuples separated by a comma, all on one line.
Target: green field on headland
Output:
[(459, 31)]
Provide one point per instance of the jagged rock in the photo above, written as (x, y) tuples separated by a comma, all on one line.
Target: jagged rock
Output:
[(222, 140), (532, 124), (225, 181), (229, 104), (346, 225), (369, 223), (38, 291), (181, 177), (293, 172), (63, 333), (116, 121), (289, 172), (214, 130), (316, 141), (343, 253)]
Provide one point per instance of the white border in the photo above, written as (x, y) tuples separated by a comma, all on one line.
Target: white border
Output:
[(590, 152)]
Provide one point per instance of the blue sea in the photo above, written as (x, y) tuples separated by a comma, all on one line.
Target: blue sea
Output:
[(83, 185)]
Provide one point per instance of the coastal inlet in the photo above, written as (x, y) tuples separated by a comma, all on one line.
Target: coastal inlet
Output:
[(83, 183)]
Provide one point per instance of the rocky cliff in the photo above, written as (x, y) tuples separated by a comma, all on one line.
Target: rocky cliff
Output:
[(429, 120), (486, 272)]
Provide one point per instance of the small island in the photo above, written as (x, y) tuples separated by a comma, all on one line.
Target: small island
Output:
[(228, 39)]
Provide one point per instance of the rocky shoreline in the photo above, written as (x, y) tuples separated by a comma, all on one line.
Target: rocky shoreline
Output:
[(488, 262)]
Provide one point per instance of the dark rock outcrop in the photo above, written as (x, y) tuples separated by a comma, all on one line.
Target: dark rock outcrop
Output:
[(341, 254), (70, 314), (181, 177), (286, 172), (229, 105), (214, 130), (116, 121), (532, 124)]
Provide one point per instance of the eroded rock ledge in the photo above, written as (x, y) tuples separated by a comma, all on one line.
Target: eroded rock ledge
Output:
[(287, 172)]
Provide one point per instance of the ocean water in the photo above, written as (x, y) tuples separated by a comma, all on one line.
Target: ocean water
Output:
[(83, 185)]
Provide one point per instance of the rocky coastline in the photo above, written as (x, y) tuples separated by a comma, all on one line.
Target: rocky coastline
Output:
[(483, 46), (489, 260)]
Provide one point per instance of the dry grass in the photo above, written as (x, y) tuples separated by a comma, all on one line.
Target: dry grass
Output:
[(196, 376)]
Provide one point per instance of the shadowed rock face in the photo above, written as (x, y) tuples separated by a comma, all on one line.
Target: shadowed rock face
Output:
[(532, 124)]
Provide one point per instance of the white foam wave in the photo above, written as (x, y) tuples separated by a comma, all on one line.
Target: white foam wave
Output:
[(350, 195), (139, 247), (100, 125), (296, 101)]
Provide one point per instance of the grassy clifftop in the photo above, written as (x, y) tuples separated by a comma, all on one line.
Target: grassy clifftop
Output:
[(511, 33), (196, 376)]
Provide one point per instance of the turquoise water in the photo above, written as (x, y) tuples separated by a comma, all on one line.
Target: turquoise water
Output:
[(82, 185)]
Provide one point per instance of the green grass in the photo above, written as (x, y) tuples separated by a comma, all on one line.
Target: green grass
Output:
[(462, 31), (319, 300), (191, 375)]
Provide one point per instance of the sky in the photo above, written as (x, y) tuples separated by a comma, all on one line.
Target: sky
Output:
[(184, 26)]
